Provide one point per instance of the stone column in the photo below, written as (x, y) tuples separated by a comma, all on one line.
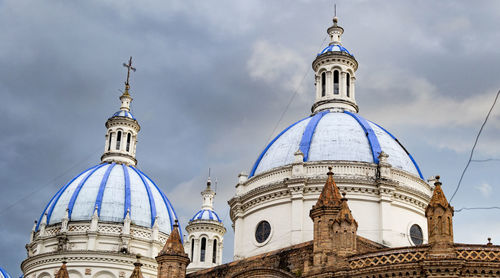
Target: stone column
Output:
[(342, 85)]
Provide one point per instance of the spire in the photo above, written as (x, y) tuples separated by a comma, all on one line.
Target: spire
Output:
[(330, 195), (439, 216), (172, 260), (137, 273), (174, 243), (438, 197), (63, 271)]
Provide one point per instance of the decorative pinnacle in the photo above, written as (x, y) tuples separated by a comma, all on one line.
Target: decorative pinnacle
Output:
[(437, 182)]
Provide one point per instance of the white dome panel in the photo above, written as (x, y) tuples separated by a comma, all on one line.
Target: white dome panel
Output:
[(84, 204), (282, 151), (398, 157), (113, 199), (339, 137)]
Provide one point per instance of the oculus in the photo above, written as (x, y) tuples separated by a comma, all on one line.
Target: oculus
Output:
[(262, 231)]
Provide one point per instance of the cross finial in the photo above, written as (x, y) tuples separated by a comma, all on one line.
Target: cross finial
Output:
[(129, 67)]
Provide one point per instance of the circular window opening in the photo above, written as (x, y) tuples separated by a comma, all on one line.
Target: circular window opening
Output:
[(416, 235), (263, 231)]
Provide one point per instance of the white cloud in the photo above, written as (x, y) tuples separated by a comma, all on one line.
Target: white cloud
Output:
[(485, 189), (274, 63), (423, 105)]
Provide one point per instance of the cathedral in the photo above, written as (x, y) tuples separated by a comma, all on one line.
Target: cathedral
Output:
[(332, 195)]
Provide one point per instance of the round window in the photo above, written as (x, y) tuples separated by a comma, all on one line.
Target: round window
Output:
[(416, 235), (263, 231)]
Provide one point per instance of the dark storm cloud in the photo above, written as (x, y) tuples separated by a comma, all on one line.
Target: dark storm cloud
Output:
[(213, 79)]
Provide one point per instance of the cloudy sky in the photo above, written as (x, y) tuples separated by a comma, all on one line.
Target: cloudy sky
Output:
[(213, 78)]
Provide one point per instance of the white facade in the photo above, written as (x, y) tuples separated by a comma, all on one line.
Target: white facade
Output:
[(385, 188), (205, 235), (93, 250)]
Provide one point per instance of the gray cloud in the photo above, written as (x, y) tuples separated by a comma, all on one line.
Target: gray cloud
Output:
[(214, 77)]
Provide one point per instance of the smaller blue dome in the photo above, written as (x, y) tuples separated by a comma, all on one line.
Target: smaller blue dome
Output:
[(206, 214), (3, 273), (124, 113), (334, 48)]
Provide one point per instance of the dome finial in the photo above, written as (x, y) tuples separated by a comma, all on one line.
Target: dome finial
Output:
[(129, 67), (335, 19)]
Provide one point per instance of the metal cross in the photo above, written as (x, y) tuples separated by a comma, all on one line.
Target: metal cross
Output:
[(129, 67)]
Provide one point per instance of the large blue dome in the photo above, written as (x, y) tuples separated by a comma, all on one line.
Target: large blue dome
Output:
[(328, 136), (114, 189), (3, 273)]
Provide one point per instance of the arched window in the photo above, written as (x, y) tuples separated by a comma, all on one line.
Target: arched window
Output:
[(214, 252), (109, 143), (128, 141), (323, 84), (203, 249), (192, 249), (118, 140), (336, 82), (348, 84)]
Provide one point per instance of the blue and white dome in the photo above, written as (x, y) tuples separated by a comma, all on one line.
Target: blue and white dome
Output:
[(124, 113), (334, 48), (3, 273), (328, 136), (206, 214), (114, 189)]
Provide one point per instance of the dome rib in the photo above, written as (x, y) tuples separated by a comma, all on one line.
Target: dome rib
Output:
[(102, 186), (4, 273), (254, 168), (128, 204), (206, 214), (170, 208), (305, 142), (370, 134), (111, 189), (72, 201), (335, 48), (124, 113), (58, 195), (323, 137), (152, 206), (407, 152)]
